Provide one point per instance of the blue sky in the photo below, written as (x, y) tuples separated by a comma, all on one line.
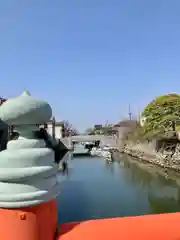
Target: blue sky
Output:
[(90, 59)]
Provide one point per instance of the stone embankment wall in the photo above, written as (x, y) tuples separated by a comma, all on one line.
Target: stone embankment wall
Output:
[(147, 152)]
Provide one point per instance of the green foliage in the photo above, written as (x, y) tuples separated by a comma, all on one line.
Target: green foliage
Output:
[(106, 129), (103, 130), (178, 128), (161, 113), (88, 131)]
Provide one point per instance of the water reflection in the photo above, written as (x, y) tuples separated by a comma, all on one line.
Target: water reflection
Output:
[(164, 204), (109, 166), (97, 189), (163, 194), (143, 175)]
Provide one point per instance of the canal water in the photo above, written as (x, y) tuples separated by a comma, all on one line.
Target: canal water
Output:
[(94, 189)]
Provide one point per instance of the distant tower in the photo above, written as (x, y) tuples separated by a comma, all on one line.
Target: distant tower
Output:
[(130, 113)]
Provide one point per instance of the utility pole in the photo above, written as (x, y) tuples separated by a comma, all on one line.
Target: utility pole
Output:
[(130, 113)]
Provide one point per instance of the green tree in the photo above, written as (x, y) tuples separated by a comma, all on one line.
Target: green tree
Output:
[(88, 131), (161, 113)]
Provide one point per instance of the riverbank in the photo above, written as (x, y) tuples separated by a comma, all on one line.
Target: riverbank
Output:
[(146, 152)]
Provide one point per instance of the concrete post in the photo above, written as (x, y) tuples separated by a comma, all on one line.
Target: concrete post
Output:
[(28, 183)]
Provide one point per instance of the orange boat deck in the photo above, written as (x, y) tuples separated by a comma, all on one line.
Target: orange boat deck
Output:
[(148, 227)]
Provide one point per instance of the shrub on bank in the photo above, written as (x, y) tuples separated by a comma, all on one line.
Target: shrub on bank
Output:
[(162, 114)]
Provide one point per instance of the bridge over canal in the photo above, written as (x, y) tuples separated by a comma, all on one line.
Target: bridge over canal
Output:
[(104, 140), (87, 138)]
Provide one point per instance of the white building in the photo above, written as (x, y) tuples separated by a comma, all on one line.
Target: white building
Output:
[(55, 130)]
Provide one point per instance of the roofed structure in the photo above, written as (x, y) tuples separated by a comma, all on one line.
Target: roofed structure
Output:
[(127, 123)]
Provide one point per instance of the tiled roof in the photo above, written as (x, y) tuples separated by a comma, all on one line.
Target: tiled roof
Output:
[(127, 123)]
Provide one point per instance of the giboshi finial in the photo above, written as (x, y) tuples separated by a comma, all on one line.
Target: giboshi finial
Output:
[(25, 109), (26, 93)]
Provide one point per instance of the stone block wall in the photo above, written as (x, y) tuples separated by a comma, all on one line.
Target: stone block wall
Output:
[(147, 152)]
